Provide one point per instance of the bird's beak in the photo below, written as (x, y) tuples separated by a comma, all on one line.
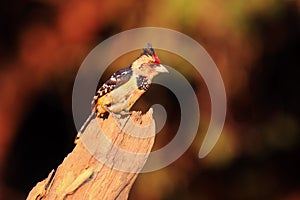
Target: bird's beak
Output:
[(162, 69)]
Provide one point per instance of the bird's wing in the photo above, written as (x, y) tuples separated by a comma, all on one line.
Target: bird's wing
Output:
[(116, 80)]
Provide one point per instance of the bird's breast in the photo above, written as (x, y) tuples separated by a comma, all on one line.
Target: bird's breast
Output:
[(125, 96)]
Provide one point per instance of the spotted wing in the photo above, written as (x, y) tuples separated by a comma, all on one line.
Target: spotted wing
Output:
[(117, 79)]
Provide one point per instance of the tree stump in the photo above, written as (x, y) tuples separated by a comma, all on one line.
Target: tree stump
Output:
[(105, 162)]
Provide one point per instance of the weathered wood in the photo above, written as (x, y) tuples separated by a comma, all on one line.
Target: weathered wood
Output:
[(105, 162)]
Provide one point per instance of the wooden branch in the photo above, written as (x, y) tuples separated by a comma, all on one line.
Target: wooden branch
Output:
[(105, 162)]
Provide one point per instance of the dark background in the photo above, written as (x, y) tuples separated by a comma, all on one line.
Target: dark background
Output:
[(254, 44)]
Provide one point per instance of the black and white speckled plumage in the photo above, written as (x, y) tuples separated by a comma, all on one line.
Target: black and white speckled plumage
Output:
[(143, 83), (117, 79)]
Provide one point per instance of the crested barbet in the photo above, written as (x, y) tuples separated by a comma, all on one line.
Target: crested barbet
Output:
[(119, 93)]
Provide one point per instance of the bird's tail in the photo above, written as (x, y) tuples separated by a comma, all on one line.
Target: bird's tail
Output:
[(85, 124)]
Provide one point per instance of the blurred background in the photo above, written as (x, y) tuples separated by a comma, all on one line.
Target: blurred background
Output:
[(255, 44)]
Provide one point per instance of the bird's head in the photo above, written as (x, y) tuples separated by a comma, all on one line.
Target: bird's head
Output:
[(148, 63)]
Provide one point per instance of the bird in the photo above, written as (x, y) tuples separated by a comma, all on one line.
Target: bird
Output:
[(119, 93)]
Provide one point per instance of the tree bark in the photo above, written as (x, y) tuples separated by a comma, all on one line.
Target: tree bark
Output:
[(105, 162)]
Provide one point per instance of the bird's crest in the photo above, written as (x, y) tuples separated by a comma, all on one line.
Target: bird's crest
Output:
[(149, 51)]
